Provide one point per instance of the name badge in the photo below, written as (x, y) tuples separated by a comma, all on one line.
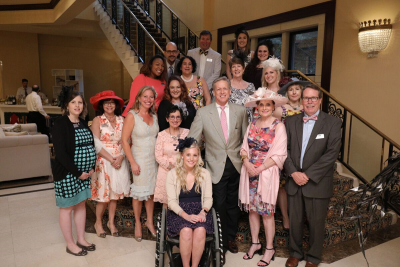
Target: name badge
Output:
[(209, 59), (320, 136)]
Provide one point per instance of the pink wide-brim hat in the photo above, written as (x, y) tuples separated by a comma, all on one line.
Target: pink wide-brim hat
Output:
[(94, 100), (263, 93)]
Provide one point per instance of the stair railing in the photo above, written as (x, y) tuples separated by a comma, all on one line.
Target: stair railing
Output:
[(364, 149), (172, 27), (135, 34)]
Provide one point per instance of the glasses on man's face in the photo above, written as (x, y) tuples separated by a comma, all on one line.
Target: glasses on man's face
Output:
[(313, 99), (175, 118), (172, 51), (109, 103)]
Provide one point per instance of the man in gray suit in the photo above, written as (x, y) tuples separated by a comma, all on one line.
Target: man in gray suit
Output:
[(223, 125), (171, 53), (208, 61), (313, 146)]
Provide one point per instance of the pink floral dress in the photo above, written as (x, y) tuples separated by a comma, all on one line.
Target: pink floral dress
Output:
[(165, 154), (109, 183)]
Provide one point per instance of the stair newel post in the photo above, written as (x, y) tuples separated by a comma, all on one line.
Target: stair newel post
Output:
[(141, 44), (127, 25), (159, 14), (174, 34), (114, 11)]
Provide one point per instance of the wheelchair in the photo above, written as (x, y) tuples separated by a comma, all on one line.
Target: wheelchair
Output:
[(164, 244)]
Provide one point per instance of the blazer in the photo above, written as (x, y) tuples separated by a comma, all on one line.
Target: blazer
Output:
[(207, 122), (321, 153), (173, 187), (212, 69)]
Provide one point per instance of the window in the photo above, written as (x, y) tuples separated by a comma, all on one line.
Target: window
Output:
[(303, 51), (276, 42)]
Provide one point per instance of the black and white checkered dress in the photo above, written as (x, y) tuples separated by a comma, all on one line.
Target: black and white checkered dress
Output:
[(72, 190)]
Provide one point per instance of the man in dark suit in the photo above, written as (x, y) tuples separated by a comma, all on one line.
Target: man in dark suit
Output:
[(223, 125), (313, 146), (171, 53)]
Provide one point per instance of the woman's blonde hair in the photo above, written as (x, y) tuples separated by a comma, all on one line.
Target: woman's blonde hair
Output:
[(264, 82), (145, 88), (181, 172)]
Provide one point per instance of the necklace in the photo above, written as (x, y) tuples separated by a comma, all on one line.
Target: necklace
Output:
[(295, 108), (175, 137), (75, 122), (111, 120), (187, 81)]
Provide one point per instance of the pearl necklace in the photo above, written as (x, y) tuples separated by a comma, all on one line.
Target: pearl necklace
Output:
[(187, 81)]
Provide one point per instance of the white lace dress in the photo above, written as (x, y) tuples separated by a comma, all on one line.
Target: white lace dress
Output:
[(143, 150)]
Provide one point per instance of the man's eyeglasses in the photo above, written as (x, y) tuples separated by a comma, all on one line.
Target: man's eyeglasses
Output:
[(313, 99), (172, 51)]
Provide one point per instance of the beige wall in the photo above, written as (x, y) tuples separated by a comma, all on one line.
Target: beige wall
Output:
[(20, 55), (102, 69)]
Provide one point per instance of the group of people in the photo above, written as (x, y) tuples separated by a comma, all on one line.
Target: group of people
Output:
[(256, 142)]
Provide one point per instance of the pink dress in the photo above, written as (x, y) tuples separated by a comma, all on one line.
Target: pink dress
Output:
[(165, 154), (108, 183)]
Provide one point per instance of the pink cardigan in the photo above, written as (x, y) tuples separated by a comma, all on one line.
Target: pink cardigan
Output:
[(268, 184)]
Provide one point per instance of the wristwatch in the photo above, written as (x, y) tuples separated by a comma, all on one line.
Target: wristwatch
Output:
[(205, 211)]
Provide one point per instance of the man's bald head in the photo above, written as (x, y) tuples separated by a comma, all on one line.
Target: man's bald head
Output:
[(171, 52)]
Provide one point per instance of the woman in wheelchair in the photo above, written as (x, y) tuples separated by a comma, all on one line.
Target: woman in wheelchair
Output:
[(189, 191)]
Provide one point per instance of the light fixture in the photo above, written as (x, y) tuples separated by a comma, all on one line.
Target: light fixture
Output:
[(374, 38)]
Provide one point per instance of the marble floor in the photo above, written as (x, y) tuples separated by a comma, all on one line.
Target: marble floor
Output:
[(30, 236)]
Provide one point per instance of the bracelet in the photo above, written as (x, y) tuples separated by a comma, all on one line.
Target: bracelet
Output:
[(205, 211), (243, 157)]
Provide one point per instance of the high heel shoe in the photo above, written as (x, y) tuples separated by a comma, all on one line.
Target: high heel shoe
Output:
[(91, 247), (267, 263), (152, 234), (115, 234), (102, 235), (259, 251), (138, 238)]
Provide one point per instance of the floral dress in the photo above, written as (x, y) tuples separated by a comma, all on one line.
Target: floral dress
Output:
[(289, 112), (260, 140), (109, 183), (239, 96), (196, 94)]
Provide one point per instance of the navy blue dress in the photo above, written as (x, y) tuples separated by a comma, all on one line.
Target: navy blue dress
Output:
[(190, 202)]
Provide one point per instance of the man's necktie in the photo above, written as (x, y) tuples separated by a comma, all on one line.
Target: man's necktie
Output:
[(170, 71), (203, 52), (224, 123), (313, 117), (26, 93)]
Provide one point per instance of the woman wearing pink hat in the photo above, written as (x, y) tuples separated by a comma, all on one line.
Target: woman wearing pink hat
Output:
[(110, 181), (263, 154)]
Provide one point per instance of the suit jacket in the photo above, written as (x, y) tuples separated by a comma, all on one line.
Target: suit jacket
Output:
[(207, 122), (212, 69), (320, 155), (175, 70)]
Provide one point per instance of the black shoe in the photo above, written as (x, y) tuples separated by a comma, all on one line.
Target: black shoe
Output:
[(264, 263), (232, 247), (92, 247), (83, 252)]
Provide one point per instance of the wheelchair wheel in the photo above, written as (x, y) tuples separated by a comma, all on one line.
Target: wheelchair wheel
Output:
[(160, 242), (218, 245)]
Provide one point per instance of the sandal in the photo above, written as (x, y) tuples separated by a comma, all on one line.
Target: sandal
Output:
[(259, 251), (264, 263)]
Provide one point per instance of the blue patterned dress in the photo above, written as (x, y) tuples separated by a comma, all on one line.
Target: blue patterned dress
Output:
[(260, 140), (72, 190)]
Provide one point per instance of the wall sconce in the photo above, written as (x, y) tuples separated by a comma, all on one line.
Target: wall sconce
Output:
[(374, 38)]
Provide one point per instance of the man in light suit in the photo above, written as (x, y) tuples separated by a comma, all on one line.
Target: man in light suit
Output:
[(171, 53), (208, 60), (313, 147), (223, 125)]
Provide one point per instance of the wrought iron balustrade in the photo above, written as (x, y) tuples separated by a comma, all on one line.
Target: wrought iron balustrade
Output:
[(135, 33)]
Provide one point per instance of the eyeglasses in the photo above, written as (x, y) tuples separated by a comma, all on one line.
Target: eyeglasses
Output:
[(171, 51), (313, 99), (175, 118), (109, 103)]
